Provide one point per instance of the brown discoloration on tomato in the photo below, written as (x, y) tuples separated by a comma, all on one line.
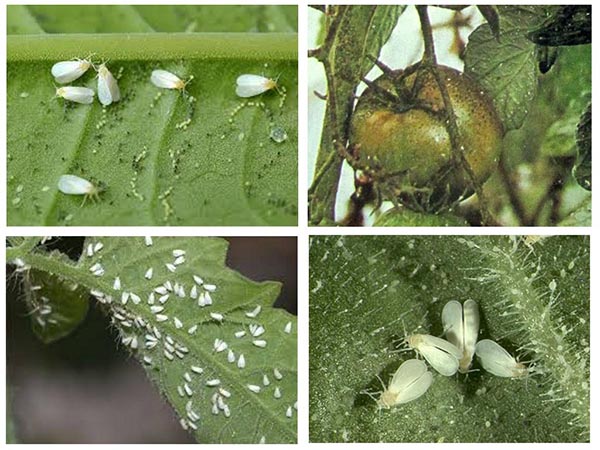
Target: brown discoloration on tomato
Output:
[(410, 134)]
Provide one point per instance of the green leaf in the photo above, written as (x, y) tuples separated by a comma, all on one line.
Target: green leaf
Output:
[(367, 293), (57, 306), (362, 32), (570, 25), (234, 163), (507, 69), (581, 215), (407, 218), (171, 350), (140, 18)]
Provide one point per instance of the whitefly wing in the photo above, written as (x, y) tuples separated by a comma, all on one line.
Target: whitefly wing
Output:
[(76, 94), (249, 85), (470, 331), (495, 359), (452, 320), (442, 355), (108, 88), (164, 79), (66, 71), (411, 380), (74, 185)]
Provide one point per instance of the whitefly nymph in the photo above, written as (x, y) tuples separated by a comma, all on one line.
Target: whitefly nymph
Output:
[(497, 361), (439, 353), (411, 381), (461, 326)]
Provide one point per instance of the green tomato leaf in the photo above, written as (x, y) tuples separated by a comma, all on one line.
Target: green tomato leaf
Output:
[(190, 320), (367, 293), (201, 157), (506, 67), (57, 306), (406, 218)]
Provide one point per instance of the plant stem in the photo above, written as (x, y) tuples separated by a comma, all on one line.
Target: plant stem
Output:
[(458, 150), (322, 195)]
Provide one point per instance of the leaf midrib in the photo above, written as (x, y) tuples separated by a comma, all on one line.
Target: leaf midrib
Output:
[(153, 46)]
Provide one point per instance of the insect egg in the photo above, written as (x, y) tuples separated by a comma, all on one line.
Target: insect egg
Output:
[(249, 85), (67, 71), (411, 380), (76, 94), (496, 360), (108, 89), (461, 326), (441, 354)]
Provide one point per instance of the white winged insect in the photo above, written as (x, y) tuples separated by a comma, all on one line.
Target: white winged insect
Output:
[(461, 326), (67, 71), (496, 360), (108, 88), (441, 354), (249, 85), (74, 185), (167, 80), (76, 94), (411, 380)]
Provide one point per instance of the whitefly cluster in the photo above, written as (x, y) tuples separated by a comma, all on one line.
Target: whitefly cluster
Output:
[(448, 356), (147, 336)]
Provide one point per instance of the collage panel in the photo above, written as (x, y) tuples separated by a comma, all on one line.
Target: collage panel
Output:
[(152, 340), (449, 115), (152, 115), (449, 339)]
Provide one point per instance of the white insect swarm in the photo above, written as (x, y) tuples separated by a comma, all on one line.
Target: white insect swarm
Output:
[(108, 88), (74, 185), (411, 381), (117, 284), (441, 354), (67, 71), (76, 94), (148, 241), (461, 326), (149, 273), (496, 360), (167, 80), (249, 85)]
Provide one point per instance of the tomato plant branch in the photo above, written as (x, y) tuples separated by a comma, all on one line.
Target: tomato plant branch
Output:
[(458, 150), (322, 200)]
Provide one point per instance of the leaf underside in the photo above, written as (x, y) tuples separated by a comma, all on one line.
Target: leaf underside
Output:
[(226, 167), (369, 293), (176, 340), (506, 67)]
